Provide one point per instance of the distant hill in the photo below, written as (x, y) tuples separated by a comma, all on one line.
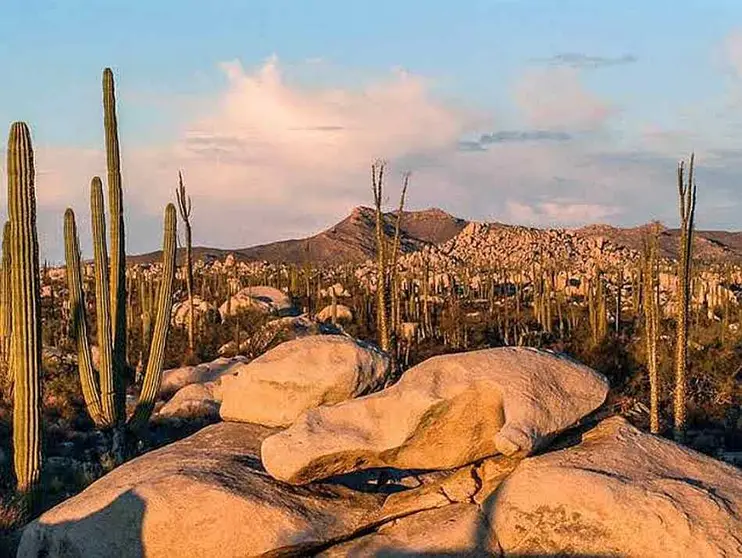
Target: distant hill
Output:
[(351, 240), (709, 246)]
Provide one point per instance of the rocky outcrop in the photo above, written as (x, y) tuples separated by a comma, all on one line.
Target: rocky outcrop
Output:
[(623, 493), (267, 300), (617, 493), (446, 412), (278, 386)]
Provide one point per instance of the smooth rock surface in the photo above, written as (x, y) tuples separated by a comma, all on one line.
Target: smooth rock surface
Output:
[(177, 378), (444, 413), (455, 531), (279, 385), (623, 493), (193, 400), (203, 497)]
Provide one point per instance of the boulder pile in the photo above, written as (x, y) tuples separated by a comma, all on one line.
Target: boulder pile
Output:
[(455, 459)]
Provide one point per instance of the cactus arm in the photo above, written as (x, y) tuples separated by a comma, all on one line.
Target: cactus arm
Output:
[(88, 380), (153, 375), (117, 291), (26, 309), (103, 303)]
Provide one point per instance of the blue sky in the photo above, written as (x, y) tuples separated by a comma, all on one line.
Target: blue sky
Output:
[(628, 86)]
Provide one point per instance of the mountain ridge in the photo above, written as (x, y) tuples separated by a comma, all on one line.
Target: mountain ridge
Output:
[(353, 239)]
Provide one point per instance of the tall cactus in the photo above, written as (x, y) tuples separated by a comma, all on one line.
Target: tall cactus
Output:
[(101, 392), (146, 305), (117, 290), (26, 309), (105, 391)]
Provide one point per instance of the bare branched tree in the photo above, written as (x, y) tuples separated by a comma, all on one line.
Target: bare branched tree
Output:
[(184, 207), (687, 202)]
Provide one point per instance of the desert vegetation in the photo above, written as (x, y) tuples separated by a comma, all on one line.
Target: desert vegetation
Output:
[(94, 352)]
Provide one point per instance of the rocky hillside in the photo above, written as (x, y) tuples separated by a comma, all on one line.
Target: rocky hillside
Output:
[(350, 240), (709, 246), (482, 245)]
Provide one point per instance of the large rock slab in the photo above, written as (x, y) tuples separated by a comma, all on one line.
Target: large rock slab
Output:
[(446, 412), (279, 385), (623, 493), (204, 496)]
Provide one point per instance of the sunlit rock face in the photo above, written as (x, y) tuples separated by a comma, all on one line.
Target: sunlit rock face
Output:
[(446, 412), (620, 492), (275, 388)]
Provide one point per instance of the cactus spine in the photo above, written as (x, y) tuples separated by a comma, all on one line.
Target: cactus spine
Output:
[(26, 309)]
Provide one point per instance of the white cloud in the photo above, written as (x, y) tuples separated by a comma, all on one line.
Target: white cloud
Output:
[(558, 212), (556, 98)]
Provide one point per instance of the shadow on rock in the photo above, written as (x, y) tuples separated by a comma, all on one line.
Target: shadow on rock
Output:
[(115, 530)]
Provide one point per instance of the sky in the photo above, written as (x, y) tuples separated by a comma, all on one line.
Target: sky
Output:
[(535, 112)]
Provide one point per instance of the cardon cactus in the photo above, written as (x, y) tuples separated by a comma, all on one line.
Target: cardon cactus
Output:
[(25, 309), (105, 391), (99, 390)]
